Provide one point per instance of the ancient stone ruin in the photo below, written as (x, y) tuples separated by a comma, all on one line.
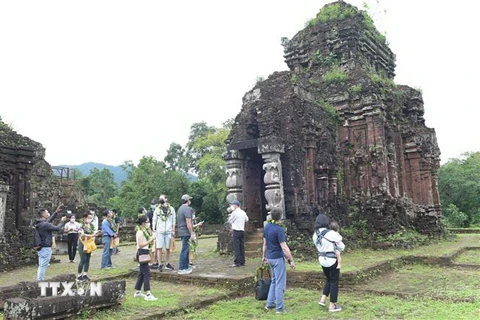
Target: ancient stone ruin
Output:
[(18, 155), (26, 184), (336, 133)]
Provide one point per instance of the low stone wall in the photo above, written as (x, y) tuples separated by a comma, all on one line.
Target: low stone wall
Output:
[(58, 307), (464, 230), (29, 289)]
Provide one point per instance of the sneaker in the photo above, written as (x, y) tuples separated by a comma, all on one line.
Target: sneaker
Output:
[(154, 266), (86, 278), (321, 303), (169, 267), (160, 268), (335, 309), (281, 311), (150, 297), (80, 278), (269, 308), (235, 265), (138, 295), (185, 271)]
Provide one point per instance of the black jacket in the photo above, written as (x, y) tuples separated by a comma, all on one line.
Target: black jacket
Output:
[(45, 229)]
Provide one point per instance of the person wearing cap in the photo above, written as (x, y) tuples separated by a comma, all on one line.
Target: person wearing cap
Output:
[(185, 232), (237, 220)]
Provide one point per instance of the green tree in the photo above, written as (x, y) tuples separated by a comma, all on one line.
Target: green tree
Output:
[(175, 158), (99, 186), (146, 182), (198, 130), (459, 184), (454, 218), (209, 148)]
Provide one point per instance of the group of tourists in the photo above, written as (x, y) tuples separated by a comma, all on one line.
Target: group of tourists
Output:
[(156, 231), (80, 235)]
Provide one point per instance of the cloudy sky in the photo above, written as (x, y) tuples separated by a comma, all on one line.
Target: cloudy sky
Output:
[(109, 81)]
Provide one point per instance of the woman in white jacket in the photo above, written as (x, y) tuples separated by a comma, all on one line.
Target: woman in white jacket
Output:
[(327, 241)]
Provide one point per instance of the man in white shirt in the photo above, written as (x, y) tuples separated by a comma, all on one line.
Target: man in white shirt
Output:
[(237, 219)]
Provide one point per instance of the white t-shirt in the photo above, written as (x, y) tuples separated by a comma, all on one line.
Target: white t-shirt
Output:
[(237, 219), (72, 225), (331, 240)]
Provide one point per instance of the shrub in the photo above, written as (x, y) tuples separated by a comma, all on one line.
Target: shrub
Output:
[(357, 88), (454, 218), (332, 12), (335, 75)]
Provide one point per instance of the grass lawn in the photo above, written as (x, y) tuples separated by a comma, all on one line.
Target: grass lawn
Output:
[(358, 259), (446, 282), (170, 297), (303, 304), (423, 283), (469, 257)]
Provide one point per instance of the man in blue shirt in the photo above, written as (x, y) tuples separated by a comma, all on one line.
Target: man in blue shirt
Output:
[(108, 235), (275, 250)]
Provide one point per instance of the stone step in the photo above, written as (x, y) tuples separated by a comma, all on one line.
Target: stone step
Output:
[(254, 238), (254, 253), (250, 246)]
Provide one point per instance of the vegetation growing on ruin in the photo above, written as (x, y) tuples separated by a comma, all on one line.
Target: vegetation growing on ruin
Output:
[(357, 88), (370, 26), (332, 12), (330, 110), (293, 78), (380, 79), (334, 75), (330, 60)]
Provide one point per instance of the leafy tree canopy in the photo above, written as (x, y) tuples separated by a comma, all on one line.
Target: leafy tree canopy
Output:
[(459, 184)]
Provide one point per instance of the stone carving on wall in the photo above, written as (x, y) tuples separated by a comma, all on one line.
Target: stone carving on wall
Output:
[(3, 206), (234, 170), (273, 180)]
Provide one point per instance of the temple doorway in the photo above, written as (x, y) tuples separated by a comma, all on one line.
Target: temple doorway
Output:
[(254, 187)]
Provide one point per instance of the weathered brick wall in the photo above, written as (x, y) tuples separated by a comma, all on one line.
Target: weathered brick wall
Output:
[(17, 156)]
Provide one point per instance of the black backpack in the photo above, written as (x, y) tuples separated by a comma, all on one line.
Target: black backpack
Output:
[(37, 240)]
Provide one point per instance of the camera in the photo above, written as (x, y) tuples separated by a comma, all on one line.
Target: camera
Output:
[(161, 201)]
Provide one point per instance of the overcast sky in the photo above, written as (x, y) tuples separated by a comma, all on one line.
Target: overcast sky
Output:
[(109, 81)]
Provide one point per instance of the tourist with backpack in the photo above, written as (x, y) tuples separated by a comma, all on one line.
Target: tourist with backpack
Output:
[(327, 242), (44, 229)]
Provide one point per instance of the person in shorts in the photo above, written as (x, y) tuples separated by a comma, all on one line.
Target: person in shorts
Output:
[(164, 220)]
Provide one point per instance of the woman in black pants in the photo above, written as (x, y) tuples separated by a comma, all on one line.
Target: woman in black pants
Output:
[(72, 228), (327, 241), (144, 240)]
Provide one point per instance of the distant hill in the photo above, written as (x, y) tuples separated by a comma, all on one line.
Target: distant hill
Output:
[(118, 173), (85, 168)]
